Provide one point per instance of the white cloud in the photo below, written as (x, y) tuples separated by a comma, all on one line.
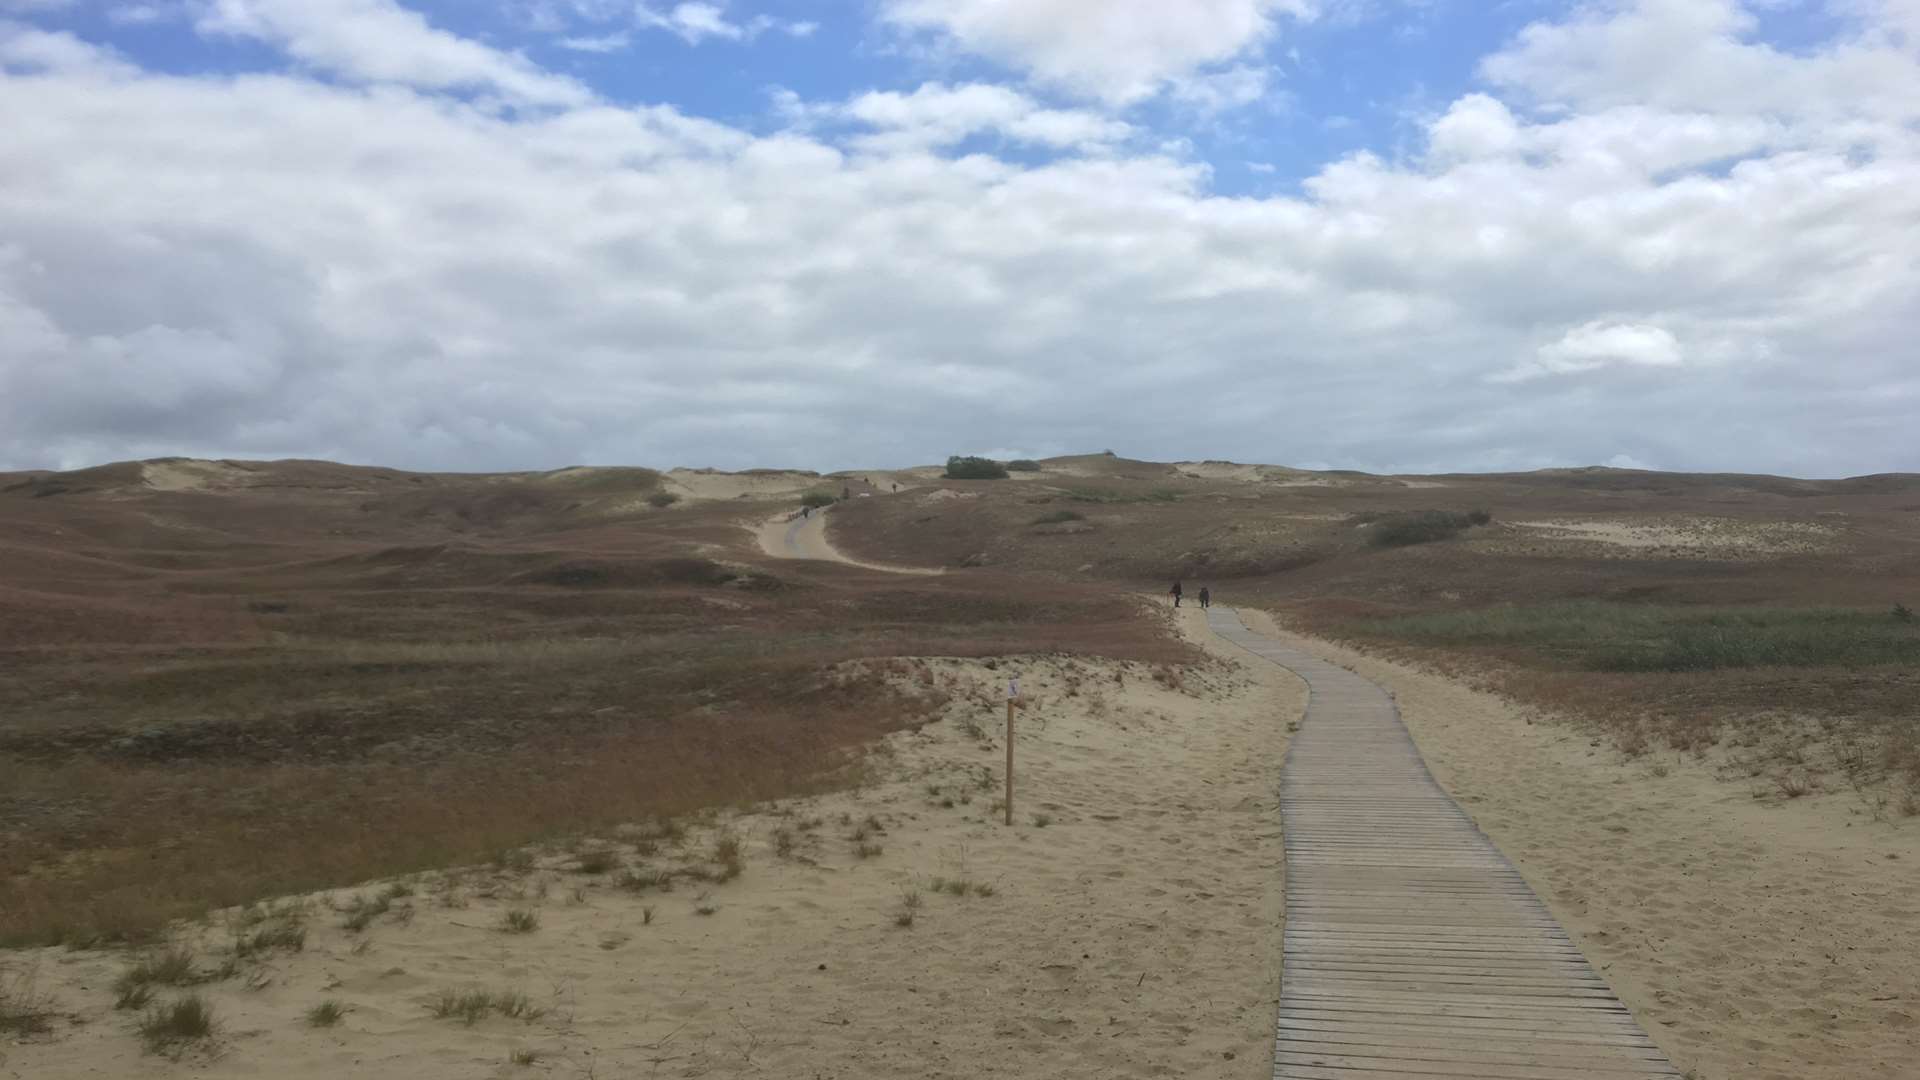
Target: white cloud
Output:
[(289, 266), (936, 115), (603, 43), (1222, 91), (33, 7), (25, 48), (381, 42), (696, 21), (1596, 345), (1119, 51)]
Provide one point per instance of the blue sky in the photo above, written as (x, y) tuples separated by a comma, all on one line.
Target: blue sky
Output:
[(1396, 234)]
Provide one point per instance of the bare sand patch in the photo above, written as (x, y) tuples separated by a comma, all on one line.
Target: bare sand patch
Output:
[(186, 474), (1692, 536), (1132, 930), (1753, 941), (711, 484), (791, 536)]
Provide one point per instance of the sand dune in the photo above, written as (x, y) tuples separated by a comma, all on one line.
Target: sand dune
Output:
[(1135, 933)]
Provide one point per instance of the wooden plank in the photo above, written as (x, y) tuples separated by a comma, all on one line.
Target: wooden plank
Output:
[(1412, 948)]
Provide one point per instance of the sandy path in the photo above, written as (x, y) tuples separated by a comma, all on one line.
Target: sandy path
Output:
[(806, 538), (1133, 934), (1755, 941)]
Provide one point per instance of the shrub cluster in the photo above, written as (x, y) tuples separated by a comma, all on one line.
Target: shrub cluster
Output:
[(1424, 526), (818, 499), (975, 468), (1023, 465)]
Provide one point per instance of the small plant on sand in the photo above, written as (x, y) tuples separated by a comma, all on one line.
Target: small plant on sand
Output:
[(866, 849), (909, 907), (595, 860), (171, 966), (646, 915), (729, 854), (514, 860), (520, 921), (472, 1006), (642, 878), (287, 936), (172, 1026), (1041, 821), (783, 842), (359, 913), (524, 1056), (662, 499), (1902, 613), (23, 1009), (326, 1014)]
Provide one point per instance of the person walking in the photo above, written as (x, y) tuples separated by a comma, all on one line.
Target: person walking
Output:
[(1175, 593), (1206, 598)]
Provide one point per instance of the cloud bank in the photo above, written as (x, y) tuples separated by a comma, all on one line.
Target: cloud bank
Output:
[(417, 249)]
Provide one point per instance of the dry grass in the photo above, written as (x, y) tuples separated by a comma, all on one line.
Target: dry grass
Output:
[(24, 1010), (172, 1027), (350, 713), (474, 1005)]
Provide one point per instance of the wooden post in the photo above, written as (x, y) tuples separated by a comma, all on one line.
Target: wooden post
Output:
[(1013, 694)]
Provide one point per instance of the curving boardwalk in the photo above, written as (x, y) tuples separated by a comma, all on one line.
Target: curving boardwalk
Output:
[(1413, 949)]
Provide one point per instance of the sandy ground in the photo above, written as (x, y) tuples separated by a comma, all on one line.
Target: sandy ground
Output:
[(787, 537), (708, 484), (1691, 537), (1753, 941), (1134, 933)]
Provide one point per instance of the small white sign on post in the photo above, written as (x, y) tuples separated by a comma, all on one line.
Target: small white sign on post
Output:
[(1013, 688)]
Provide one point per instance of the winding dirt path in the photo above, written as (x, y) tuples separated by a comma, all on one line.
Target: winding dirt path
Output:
[(806, 538)]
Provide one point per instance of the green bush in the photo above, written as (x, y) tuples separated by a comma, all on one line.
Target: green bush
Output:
[(975, 468), (818, 499), (662, 499), (1023, 465)]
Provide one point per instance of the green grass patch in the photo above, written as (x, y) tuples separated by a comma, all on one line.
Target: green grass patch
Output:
[(1601, 636)]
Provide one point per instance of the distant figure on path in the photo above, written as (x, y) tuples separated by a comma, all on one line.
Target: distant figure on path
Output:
[(1175, 593), (1206, 598), (806, 511)]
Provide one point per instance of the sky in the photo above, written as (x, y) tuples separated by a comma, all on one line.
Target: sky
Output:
[(1392, 235)]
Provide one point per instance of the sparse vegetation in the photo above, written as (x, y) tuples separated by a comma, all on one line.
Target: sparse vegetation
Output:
[(474, 1005), (1023, 465), (909, 907), (662, 499), (175, 965), (1059, 517), (1422, 526), (974, 468), (520, 921), (170, 1027), (595, 860), (24, 1010), (523, 1056), (814, 500), (1602, 636), (326, 1014)]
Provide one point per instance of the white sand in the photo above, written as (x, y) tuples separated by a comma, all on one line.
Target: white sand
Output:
[(1136, 934), (1691, 535), (784, 536), (1753, 941)]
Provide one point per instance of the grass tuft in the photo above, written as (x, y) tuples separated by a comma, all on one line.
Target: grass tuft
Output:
[(520, 921), (326, 1014), (172, 1026)]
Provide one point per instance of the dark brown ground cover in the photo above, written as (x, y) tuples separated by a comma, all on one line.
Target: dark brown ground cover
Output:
[(312, 678)]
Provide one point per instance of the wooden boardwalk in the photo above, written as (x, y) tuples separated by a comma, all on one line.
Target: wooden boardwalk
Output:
[(1413, 949)]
